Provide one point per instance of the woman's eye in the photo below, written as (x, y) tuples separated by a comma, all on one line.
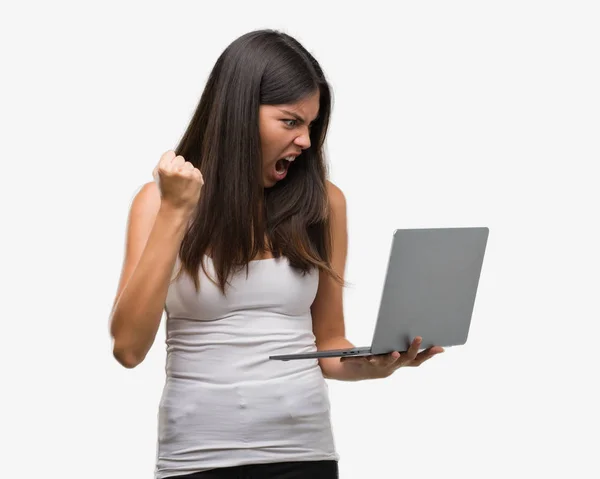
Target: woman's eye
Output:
[(293, 121)]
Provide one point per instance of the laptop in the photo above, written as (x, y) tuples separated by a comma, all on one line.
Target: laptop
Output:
[(429, 291)]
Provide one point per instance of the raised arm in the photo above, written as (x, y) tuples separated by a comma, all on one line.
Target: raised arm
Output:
[(157, 224)]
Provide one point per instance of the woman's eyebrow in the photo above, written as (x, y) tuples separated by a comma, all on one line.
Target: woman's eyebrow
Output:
[(296, 116)]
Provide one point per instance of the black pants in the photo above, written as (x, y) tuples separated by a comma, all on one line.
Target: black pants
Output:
[(278, 470)]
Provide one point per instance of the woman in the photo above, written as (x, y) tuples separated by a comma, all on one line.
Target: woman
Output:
[(242, 240)]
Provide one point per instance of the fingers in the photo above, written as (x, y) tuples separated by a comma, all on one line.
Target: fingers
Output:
[(427, 354), (170, 164), (168, 155), (166, 158), (404, 359), (179, 181), (177, 163), (395, 360), (198, 175), (164, 162), (186, 165), (413, 350), (412, 357)]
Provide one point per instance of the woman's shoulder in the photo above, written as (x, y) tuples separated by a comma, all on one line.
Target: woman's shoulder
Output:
[(147, 195), (148, 192), (146, 201), (337, 199)]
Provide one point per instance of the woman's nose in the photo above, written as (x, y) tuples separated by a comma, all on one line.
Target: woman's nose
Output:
[(303, 141)]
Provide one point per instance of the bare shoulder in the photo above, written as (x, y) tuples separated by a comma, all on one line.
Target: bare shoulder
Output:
[(147, 199), (142, 214), (337, 199)]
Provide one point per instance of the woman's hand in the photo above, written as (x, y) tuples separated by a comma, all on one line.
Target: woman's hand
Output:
[(179, 182), (382, 366)]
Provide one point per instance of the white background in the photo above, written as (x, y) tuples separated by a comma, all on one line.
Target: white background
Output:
[(462, 113)]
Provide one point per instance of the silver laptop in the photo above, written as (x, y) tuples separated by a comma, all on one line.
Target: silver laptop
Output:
[(429, 291)]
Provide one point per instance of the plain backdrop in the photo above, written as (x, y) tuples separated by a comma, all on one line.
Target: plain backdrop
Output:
[(462, 113)]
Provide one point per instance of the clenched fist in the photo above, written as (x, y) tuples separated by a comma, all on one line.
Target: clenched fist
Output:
[(179, 181)]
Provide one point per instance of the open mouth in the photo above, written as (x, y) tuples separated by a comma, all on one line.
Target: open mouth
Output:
[(283, 164)]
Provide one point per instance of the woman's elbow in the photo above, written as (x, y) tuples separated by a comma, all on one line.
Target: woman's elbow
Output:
[(126, 357), (130, 344)]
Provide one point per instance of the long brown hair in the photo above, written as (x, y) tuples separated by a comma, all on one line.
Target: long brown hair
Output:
[(237, 218)]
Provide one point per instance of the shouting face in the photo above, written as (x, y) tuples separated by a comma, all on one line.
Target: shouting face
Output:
[(284, 133)]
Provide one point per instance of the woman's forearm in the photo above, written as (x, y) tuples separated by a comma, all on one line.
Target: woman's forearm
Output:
[(333, 368), (136, 316)]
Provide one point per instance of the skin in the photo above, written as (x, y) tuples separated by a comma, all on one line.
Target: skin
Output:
[(328, 317), (157, 222), (282, 133)]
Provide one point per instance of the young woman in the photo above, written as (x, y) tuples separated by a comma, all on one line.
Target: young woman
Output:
[(242, 240)]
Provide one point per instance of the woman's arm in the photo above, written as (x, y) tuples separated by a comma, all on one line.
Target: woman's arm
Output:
[(154, 234), (328, 316), (327, 308)]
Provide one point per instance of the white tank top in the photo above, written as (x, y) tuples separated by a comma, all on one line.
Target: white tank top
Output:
[(225, 403)]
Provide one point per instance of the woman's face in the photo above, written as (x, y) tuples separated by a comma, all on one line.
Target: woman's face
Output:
[(284, 133)]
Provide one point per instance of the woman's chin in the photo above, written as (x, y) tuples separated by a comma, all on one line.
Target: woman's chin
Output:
[(268, 182), (273, 177)]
